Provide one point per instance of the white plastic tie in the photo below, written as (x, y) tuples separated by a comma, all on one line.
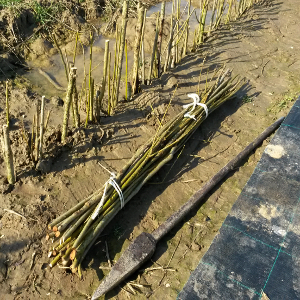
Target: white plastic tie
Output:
[(114, 184), (196, 101)]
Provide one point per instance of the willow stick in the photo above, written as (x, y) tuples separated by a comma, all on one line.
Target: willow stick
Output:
[(167, 62), (220, 13), (90, 100), (173, 48), (153, 50), (228, 12), (122, 46), (67, 61), (61, 56), (212, 18), (105, 65), (177, 31), (115, 74), (8, 155), (202, 22), (55, 260), (159, 42), (143, 49), (75, 49), (32, 138), (42, 126), (7, 103), (37, 120), (92, 91), (186, 40), (75, 106), (126, 71), (68, 101), (108, 87), (136, 50)]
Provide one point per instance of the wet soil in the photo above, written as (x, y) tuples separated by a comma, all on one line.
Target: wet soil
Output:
[(262, 46)]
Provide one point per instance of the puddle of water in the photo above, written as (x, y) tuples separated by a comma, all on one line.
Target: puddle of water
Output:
[(42, 86)]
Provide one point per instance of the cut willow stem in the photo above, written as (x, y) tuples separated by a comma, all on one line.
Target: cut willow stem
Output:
[(90, 100), (42, 127), (68, 101), (177, 31), (122, 46), (7, 104), (126, 71), (173, 48), (221, 9), (143, 48), (212, 18), (75, 49), (136, 50), (105, 65), (202, 22), (75, 107), (61, 56), (37, 134), (153, 50), (55, 260), (67, 61), (186, 40), (8, 155), (159, 41), (229, 12), (115, 69), (108, 86), (32, 139)]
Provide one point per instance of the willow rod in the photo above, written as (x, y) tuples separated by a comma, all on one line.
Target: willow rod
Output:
[(136, 50), (122, 46)]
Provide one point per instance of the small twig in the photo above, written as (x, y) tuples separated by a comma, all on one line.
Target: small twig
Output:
[(107, 255), (126, 291), (174, 251), (189, 247), (262, 70), (131, 288), (105, 268), (13, 212), (33, 256), (62, 267), (138, 285), (159, 268)]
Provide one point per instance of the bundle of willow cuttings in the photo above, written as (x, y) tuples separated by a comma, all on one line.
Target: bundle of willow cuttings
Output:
[(75, 232)]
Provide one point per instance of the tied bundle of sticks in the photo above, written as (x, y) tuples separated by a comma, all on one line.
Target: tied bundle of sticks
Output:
[(76, 231)]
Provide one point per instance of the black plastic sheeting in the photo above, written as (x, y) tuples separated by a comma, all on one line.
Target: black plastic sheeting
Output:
[(257, 250)]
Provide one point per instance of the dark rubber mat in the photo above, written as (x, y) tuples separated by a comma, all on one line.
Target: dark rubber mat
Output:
[(257, 251)]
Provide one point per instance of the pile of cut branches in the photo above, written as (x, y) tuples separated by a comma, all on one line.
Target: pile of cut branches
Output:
[(76, 231)]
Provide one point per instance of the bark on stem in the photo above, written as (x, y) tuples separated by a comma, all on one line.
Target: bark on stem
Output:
[(122, 46), (153, 50), (7, 104), (8, 156), (137, 43), (75, 107), (68, 100), (106, 52), (159, 42), (42, 126)]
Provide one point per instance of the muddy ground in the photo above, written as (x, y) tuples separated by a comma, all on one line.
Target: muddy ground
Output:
[(262, 46)]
